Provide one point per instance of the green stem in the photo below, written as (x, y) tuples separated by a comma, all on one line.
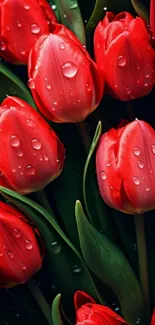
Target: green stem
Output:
[(142, 256), (84, 135), (40, 299), (42, 199)]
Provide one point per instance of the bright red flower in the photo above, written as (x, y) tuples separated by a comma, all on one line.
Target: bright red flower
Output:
[(153, 318), (20, 251), (90, 313), (66, 83), (125, 165), (22, 23), (125, 56), (31, 154)]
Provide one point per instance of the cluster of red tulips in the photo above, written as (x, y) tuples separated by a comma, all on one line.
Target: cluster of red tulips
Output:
[(67, 85)]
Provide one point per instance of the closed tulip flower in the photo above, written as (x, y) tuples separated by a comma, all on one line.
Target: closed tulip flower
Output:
[(31, 154), (20, 251), (125, 56), (125, 165), (90, 313), (22, 23), (66, 83)]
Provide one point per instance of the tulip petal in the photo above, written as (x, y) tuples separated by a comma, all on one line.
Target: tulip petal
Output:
[(81, 298), (153, 318)]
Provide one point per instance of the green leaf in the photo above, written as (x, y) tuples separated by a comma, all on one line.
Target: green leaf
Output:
[(95, 207), (112, 268), (70, 16), (56, 315), (61, 251), (13, 86), (141, 10)]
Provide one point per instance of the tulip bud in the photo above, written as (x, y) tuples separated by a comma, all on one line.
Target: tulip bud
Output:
[(90, 313), (125, 165), (31, 154), (22, 23), (125, 56), (65, 82), (20, 253)]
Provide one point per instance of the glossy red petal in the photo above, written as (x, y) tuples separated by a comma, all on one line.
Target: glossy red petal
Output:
[(153, 318), (136, 161), (81, 298), (34, 152)]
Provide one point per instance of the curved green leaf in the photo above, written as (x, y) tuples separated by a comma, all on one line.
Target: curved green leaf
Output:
[(112, 268), (13, 86), (141, 10), (55, 312)]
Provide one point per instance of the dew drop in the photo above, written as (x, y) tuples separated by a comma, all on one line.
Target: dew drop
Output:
[(30, 170), (76, 269), (2, 46), (147, 189), (48, 86), (103, 175), (11, 255), (108, 164), (1, 254), (69, 69), (136, 180), (54, 7), (35, 29), (146, 84), (19, 166), (57, 159), (26, 6), (73, 4), (153, 148), (22, 52), (56, 247), (24, 267), (62, 46), (140, 164), (54, 102), (41, 158), (31, 83), (16, 233), (8, 28), (105, 8), (46, 158), (115, 307), (65, 16), (30, 122), (121, 61), (14, 141), (28, 244), (36, 67), (36, 144), (13, 169), (147, 74), (20, 153), (137, 320), (88, 87), (18, 24), (136, 151)]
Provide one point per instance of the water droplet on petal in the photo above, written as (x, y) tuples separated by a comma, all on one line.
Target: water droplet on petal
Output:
[(108, 164), (13, 169), (18, 24), (76, 269), (11, 255), (22, 52), (69, 69), (31, 83), (136, 180), (36, 144), (30, 170), (56, 247), (30, 122), (147, 189), (16, 233), (57, 159), (62, 46), (88, 87), (147, 74), (140, 164), (36, 67), (2, 46), (153, 148), (121, 61), (28, 244), (7, 27), (35, 29), (14, 141), (46, 158), (136, 151), (24, 267), (146, 84), (48, 86), (103, 175), (1, 254), (26, 6), (19, 166), (20, 153)]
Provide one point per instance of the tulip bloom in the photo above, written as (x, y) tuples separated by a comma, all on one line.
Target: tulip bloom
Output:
[(125, 56), (20, 254), (90, 313), (65, 82), (22, 23), (31, 154), (125, 165)]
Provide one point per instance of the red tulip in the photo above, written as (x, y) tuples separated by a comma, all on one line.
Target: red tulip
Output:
[(125, 56), (31, 154), (90, 313), (22, 23), (65, 82), (153, 318), (20, 254), (125, 164)]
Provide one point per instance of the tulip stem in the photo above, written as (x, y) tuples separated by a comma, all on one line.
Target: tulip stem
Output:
[(142, 256), (40, 299), (84, 135)]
